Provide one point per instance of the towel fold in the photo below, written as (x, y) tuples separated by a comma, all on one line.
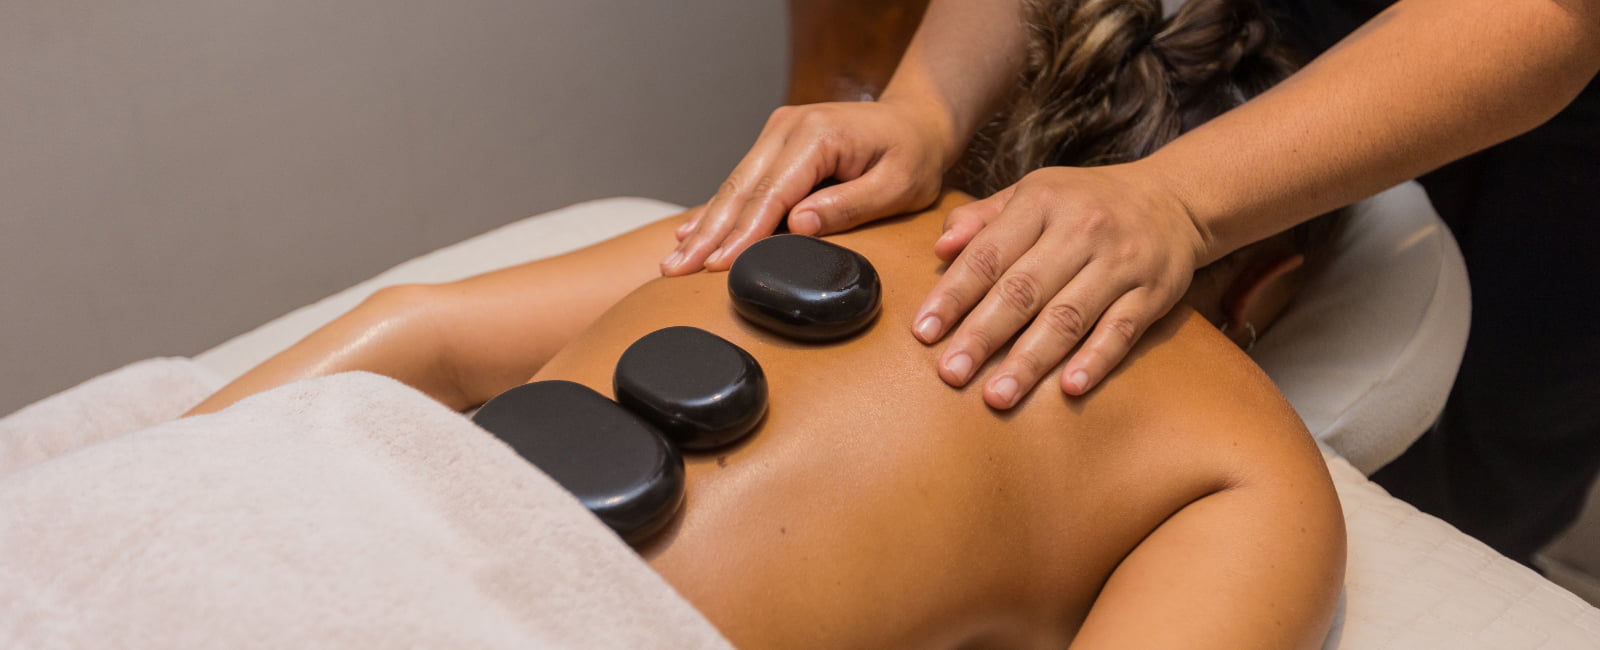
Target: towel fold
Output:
[(130, 398), (347, 511)]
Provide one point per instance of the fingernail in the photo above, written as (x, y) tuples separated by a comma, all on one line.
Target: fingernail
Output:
[(1078, 381), (960, 366), (715, 255), (928, 329), (1005, 388), (805, 223), (947, 236), (673, 259)]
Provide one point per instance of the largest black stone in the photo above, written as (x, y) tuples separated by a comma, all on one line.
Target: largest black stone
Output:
[(619, 467), (805, 288)]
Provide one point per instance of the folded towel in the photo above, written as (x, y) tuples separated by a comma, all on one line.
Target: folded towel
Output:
[(123, 400), (347, 511)]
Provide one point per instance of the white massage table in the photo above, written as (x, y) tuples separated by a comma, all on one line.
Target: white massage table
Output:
[(1367, 361)]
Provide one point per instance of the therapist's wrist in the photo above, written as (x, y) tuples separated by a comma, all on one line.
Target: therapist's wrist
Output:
[(1165, 189), (944, 129)]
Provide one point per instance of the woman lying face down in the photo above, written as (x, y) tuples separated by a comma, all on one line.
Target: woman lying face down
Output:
[(1181, 504)]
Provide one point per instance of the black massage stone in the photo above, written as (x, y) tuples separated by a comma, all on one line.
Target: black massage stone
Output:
[(805, 288), (615, 463), (694, 386)]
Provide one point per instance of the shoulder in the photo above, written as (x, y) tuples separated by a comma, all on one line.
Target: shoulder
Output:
[(1205, 384), (1261, 551), (1189, 393)]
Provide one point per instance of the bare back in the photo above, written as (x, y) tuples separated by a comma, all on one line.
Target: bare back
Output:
[(877, 507)]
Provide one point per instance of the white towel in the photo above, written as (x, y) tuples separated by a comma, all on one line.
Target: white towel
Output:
[(128, 399), (349, 511)]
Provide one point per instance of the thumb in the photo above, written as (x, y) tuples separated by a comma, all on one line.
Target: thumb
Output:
[(964, 222), (876, 194)]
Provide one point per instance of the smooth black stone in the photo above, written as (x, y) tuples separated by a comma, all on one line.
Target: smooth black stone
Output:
[(620, 468), (694, 386), (805, 288)]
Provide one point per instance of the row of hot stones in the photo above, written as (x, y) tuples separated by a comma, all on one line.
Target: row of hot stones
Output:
[(682, 389)]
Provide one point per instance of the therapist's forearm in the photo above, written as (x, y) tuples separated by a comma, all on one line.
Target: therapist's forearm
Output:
[(962, 62), (1424, 83)]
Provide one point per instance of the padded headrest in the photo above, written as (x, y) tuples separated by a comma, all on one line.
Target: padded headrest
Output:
[(1368, 350)]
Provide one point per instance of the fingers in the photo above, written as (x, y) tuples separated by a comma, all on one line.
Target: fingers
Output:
[(887, 188), (1005, 277), (739, 208), (1079, 258), (791, 156), (1059, 326), (885, 163), (760, 214), (969, 278), (1119, 328), (689, 224), (964, 222)]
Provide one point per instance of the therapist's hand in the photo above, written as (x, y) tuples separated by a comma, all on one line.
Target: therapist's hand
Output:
[(887, 157), (1071, 254)]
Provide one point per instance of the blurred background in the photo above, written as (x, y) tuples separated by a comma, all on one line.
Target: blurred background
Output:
[(175, 172)]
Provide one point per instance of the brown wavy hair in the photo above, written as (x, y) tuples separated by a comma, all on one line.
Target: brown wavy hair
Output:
[(1111, 81)]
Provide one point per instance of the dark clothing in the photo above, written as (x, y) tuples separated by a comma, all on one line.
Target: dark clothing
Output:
[(1518, 445), (1313, 26)]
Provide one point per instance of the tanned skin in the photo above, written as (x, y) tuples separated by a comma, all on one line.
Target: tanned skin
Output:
[(1179, 505)]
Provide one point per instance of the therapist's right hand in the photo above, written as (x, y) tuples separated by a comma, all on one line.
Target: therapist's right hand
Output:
[(887, 158)]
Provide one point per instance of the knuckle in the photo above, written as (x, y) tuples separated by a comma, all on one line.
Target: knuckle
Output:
[(1125, 254), (1121, 329), (1094, 215), (837, 209), (822, 129), (979, 339), (827, 136), (1064, 320), (897, 178), (1027, 365), (1093, 222), (813, 119), (729, 187), (946, 300), (958, 215), (765, 186), (701, 239), (1019, 291), (984, 260)]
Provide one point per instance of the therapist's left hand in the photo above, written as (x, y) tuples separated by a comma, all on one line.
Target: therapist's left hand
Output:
[(1091, 255)]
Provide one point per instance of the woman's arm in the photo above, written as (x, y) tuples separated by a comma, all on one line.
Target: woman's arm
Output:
[(1423, 83), (889, 155), (466, 341)]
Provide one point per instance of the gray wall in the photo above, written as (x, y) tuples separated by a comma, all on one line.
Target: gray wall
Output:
[(173, 172)]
